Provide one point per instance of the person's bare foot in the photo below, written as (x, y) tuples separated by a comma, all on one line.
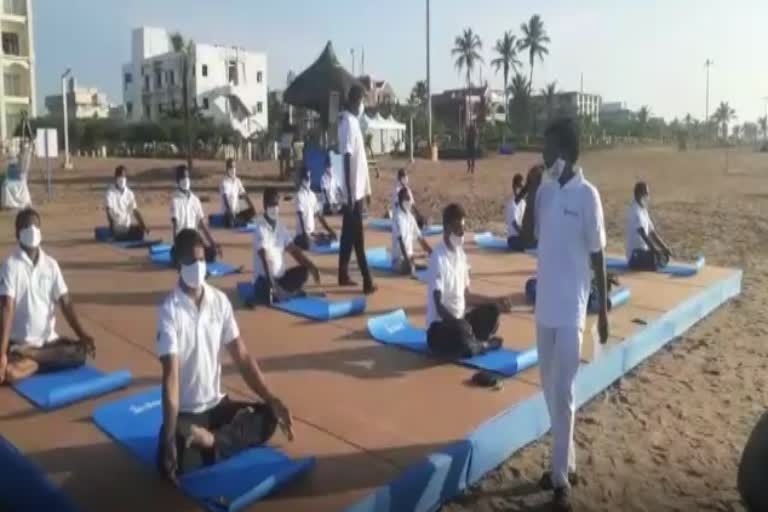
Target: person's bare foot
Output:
[(200, 437)]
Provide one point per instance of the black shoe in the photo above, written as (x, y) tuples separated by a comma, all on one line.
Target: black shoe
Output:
[(545, 482), (561, 501), (345, 281)]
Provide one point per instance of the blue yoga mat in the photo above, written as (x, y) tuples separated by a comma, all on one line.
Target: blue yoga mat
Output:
[(56, 389), (431, 230), (248, 228), (217, 220), (488, 240), (215, 269), (379, 259), (104, 234), (394, 329), (330, 248), (24, 486), (675, 269), (159, 248), (618, 296), (312, 307), (229, 485), (380, 224)]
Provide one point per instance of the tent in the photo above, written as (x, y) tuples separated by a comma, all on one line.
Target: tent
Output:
[(385, 133)]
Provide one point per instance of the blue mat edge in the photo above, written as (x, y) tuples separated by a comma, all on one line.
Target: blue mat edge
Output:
[(497, 438)]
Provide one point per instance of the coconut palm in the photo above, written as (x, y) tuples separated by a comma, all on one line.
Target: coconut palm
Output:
[(185, 51), (507, 60), (419, 93), (723, 116), (466, 49), (763, 123), (736, 131), (549, 93), (643, 115), (519, 89), (534, 40)]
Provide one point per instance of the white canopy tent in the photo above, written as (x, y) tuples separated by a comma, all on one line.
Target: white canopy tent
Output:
[(385, 133)]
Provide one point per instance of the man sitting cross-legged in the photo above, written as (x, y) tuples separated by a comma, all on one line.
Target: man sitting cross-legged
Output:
[(452, 331), (645, 249), (187, 213), (122, 210), (404, 231), (271, 240), (233, 195), (195, 323), (307, 212), (514, 211), (31, 285)]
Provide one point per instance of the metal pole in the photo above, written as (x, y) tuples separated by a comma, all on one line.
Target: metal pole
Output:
[(707, 64), (429, 88), (411, 133), (67, 161)]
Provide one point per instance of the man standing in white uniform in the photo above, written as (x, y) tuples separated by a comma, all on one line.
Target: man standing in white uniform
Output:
[(571, 234), (357, 189)]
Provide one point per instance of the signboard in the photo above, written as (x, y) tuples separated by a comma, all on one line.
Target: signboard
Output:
[(46, 143)]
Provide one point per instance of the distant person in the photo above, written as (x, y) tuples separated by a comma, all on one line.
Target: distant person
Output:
[(513, 214), (125, 220), (405, 231), (402, 182), (357, 190), (472, 147), (330, 188), (195, 323), (187, 212), (531, 188), (15, 189), (645, 249), (285, 156), (308, 211), (233, 195), (31, 285), (273, 280), (571, 234), (453, 331)]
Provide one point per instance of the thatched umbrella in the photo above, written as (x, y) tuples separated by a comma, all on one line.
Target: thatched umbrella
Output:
[(312, 88)]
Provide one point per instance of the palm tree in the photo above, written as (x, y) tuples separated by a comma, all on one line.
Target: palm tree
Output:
[(519, 89), (763, 123), (466, 49), (736, 132), (185, 51), (534, 40), (549, 93), (723, 116), (419, 93), (506, 48), (643, 115)]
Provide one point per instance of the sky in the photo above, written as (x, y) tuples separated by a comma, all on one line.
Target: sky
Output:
[(648, 52)]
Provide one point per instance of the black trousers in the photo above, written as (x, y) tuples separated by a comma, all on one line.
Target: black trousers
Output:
[(463, 338), (132, 234), (60, 354), (515, 243), (242, 218), (352, 237), (302, 241), (644, 260), (292, 281), (234, 425)]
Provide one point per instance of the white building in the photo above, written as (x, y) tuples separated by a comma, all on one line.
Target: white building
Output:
[(226, 84), (82, 102), (17, 59)]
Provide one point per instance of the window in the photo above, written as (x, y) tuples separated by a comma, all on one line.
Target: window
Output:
[(259, 107), (129, 108), (127, 78), (15, 7), (146, 83), (171, 78), (232, 72), (259, 76), (158, 79), (147, 111), (205, 69), (12, 83), (11, 43), (205, 103)]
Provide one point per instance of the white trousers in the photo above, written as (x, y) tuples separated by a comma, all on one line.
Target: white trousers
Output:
[(558, 362)]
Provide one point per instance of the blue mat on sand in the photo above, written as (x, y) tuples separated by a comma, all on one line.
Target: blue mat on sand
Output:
[(229, 485), (217, 220), (248, 228), (386, 225), (24, 486), (618, 296), (379, 259), (215, 269), (104, 234), (488, 240), (394, 329), (675, 269), (56, 389), (329, 248), (312, 307)]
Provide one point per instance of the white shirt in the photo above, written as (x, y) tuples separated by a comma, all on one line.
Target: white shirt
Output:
[(396, 195), (35, 290), (570, 227), (449, 273), (306, 209), (196, 337), (637, 218), (513, 213), (120, 205), (351, 141), (187, 211), (231, 189), (273, 241), (403, 225), (329, 187)]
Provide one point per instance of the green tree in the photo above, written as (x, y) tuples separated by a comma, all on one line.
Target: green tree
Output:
[(466, 49), (507, 61), (763, 124), (643, 115), (723, 117), (535, 41), (419, 93), (185, 50), (519, 107), (549, 93)]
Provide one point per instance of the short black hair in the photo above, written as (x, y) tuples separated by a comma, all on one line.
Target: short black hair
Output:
[(517, 179), (355, 94), (24, 218), (119, 171), (229, 163), (401, 172), (565, 132), (452, 213), (641, 187), (270, 194), (184, 245), (181, 170)]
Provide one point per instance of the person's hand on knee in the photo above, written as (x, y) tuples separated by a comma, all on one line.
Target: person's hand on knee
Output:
[(88, 345)]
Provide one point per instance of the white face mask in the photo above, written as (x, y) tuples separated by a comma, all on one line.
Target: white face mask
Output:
[(194, 275), (184, 184), (456, 241), (30, 237), (121, 182), (404, 180), (557, 169), (360, 109), (273, 212), (232, 172)]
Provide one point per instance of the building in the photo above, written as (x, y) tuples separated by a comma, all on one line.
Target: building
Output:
[(226, 84), (378, 92), (616, 112), (17, 89), (576, 105), (82, 102), (450, 107)]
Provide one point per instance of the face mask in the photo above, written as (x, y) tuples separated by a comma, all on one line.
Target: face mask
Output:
[(121, 181), (232, 172), (407, 206), (557, 169), (184, 184), (404, 180), (194, 275), (273, 212), (305, 183), (457, 241), (360, 109), (644, 201), (30, 237)]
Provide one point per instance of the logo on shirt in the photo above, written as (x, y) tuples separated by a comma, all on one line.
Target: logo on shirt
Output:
[(570, 213)]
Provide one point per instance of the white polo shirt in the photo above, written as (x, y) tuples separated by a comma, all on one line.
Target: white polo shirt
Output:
[(196, 336), (570, 227), (403, 225), (187, 210), (637, 218), (449, 273), (513, 213), (351, 141), (120, 204), (35, 290), (330, 189), (307, 207), (273, 241), (231, 189)]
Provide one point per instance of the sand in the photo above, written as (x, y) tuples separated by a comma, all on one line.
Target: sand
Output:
[(666, 437)]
